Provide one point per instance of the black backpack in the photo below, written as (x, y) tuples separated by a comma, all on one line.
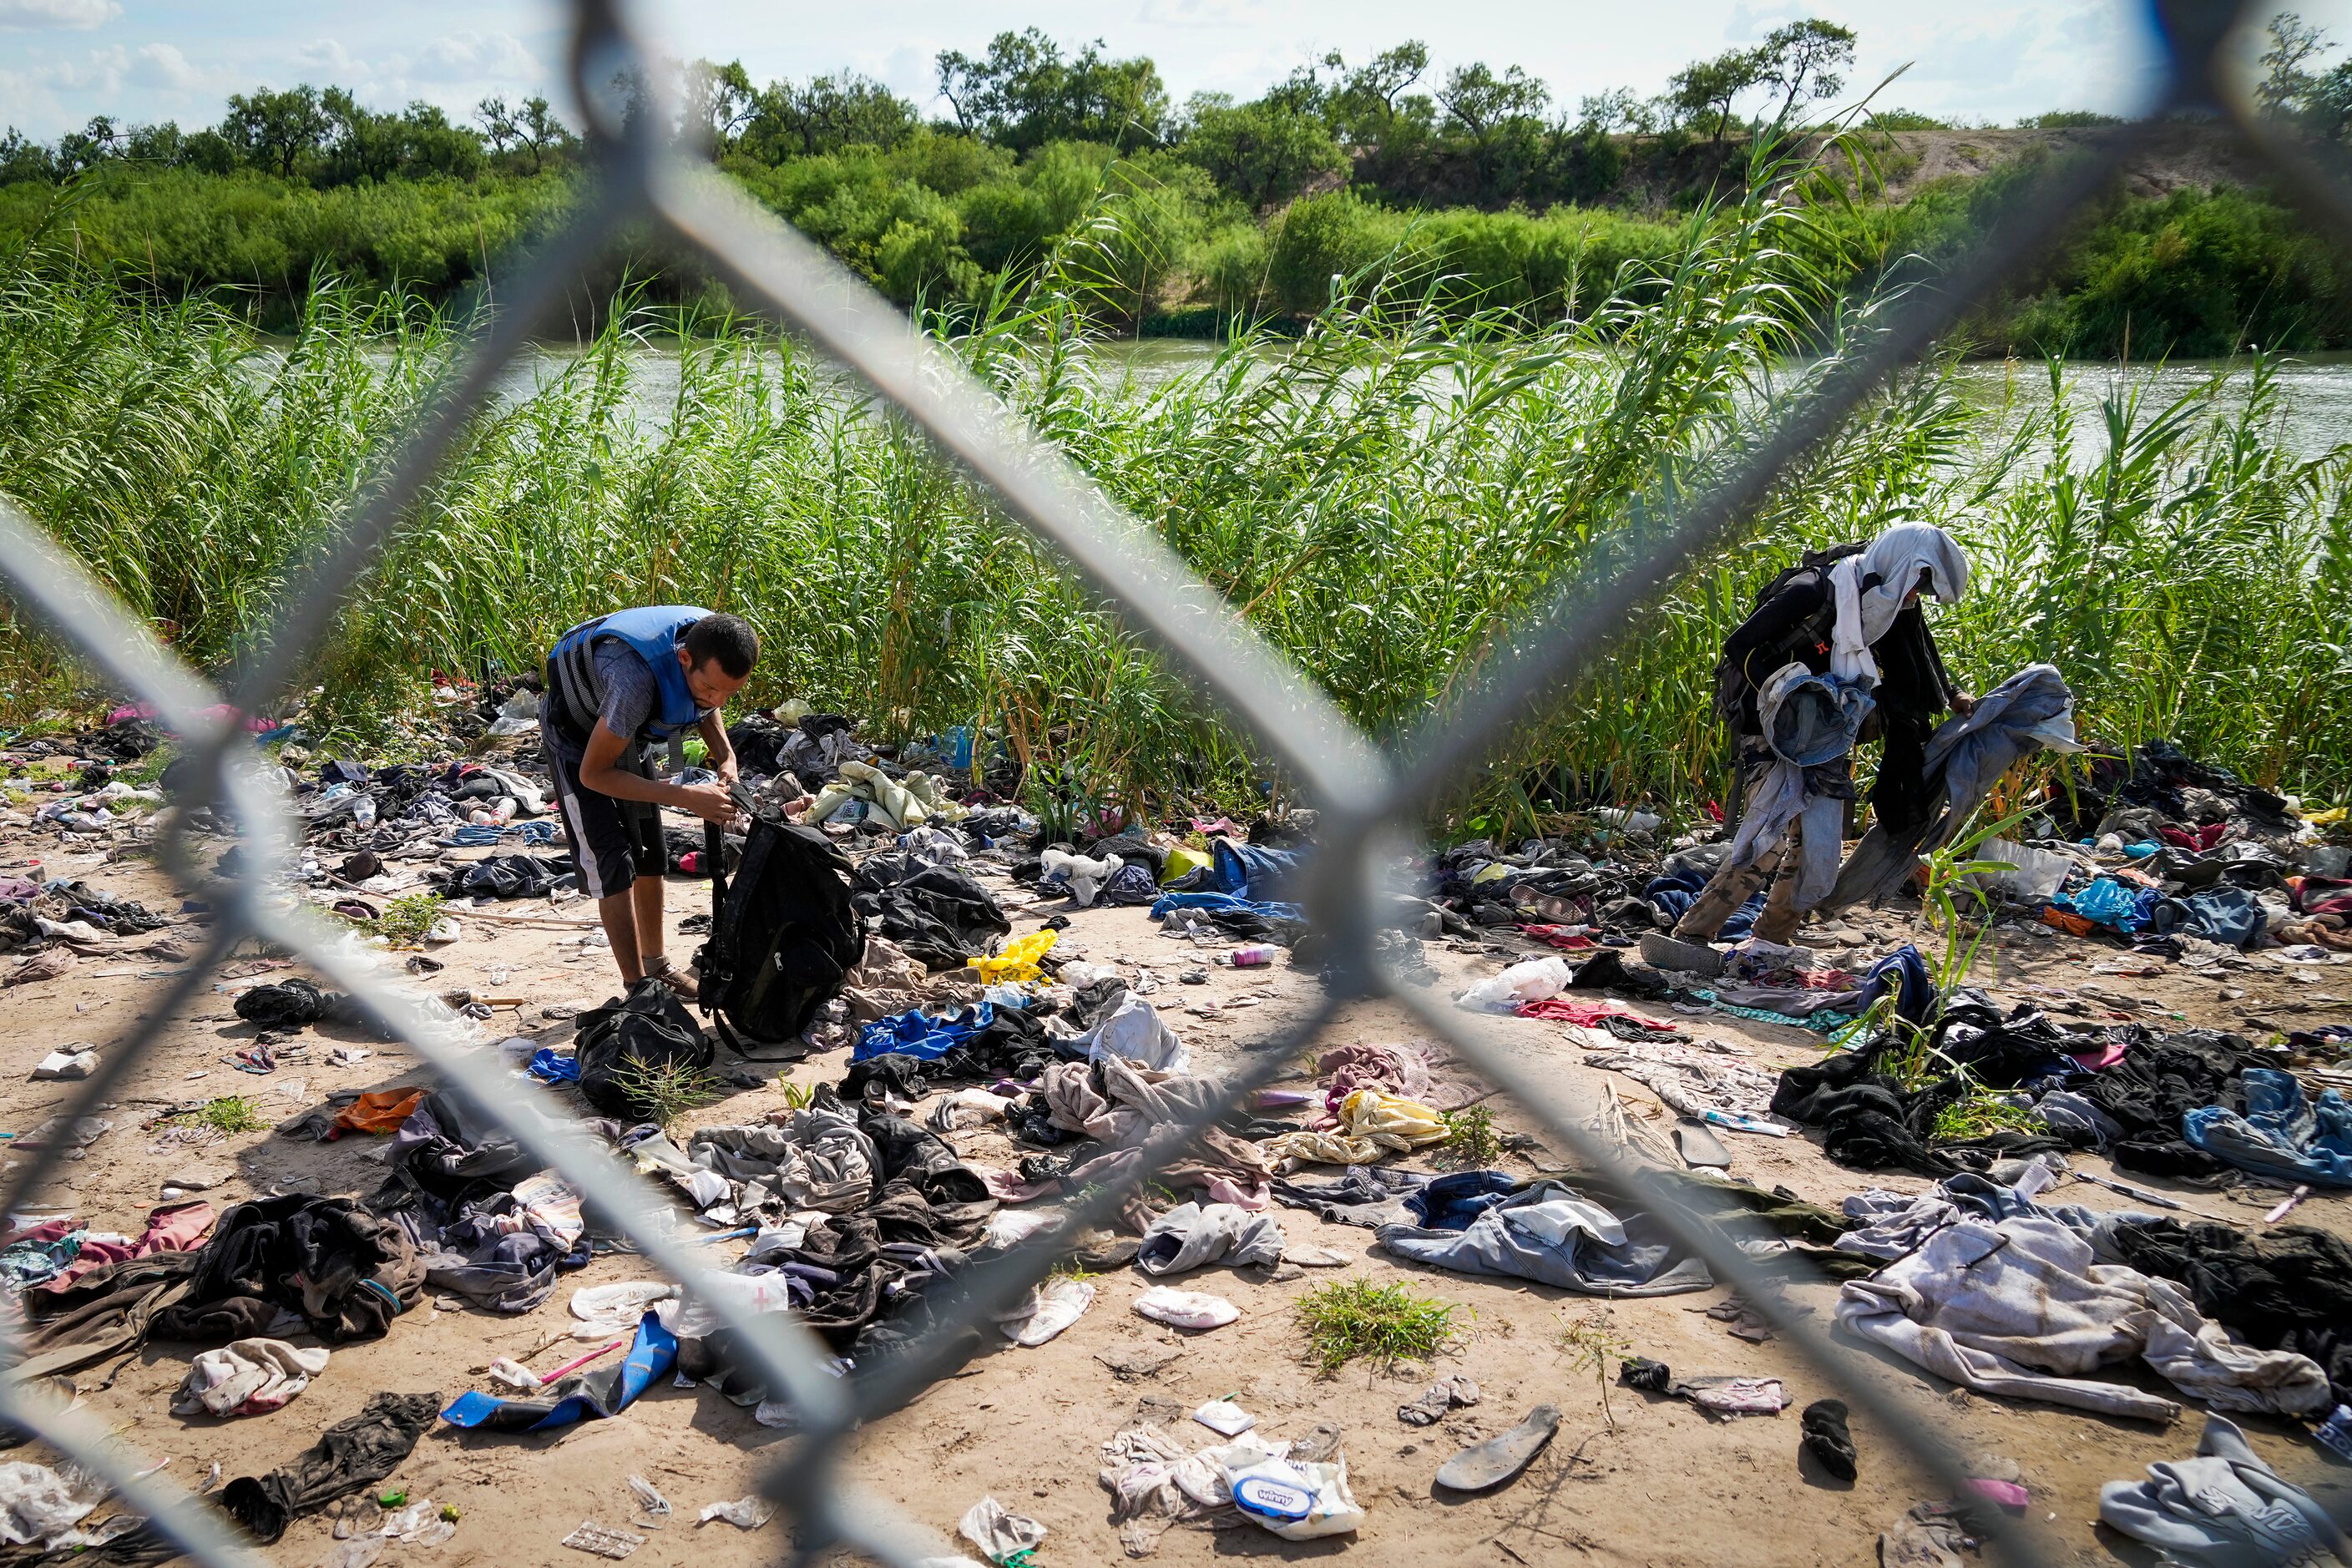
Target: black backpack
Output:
[(619, 1042), (783, 937), (1730, 681)]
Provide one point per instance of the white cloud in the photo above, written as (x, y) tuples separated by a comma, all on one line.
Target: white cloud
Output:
[(326, 55), (476, 57), (102, 71), (77, 15), (164, 66), (1204, 13)]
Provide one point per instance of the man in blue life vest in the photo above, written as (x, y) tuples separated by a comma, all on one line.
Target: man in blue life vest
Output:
[(616, 688)]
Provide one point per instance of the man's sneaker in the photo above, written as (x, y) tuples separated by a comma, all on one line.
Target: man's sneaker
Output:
[(1660, 950), (677, 979)]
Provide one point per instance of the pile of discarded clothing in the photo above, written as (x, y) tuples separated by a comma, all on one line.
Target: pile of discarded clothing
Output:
[(1987, 1286), (2193, 1104), (1543, 882)]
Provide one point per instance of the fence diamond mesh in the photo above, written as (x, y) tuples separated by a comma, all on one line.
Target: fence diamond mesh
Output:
[(1370, 796)]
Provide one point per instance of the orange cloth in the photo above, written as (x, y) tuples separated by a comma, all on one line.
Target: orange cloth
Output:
[(379, 1111), (2066, 920)]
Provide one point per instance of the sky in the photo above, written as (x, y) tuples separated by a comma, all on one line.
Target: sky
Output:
[(1993, 61)]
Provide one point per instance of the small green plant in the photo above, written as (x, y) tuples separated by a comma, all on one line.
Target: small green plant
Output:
[(406, 918), (1948, 870), (1352, 1318), (147, 770), (1980, 1116), (1592, 1342), (1071, 1270), (665, 1090), (1471, 1142), (797, 1096), (230, 1114)]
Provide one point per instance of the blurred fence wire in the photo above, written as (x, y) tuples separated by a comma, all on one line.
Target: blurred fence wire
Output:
[(1369, 798)]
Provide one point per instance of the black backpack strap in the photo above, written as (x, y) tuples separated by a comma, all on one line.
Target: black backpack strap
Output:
[(714, 854)]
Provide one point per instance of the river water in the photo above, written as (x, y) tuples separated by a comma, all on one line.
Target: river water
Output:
[(2314, 404)]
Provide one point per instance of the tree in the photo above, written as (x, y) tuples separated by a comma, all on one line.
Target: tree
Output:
[(23, 159), (361, 144), (1024, 93), (826, 114), (2325, 109), (2286, 81), (274, 130), (1805, 61), (544, 131), (1487, 105), (1369, 100), (1263, 152), (716, 102), (1618, 108), (499, 127), (162, 146), (1706, 88), (82, 150)]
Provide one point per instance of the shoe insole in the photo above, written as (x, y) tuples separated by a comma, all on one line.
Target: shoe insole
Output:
[(1697, 1146), (1485, 1466)]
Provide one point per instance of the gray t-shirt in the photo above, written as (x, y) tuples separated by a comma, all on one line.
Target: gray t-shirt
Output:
[(630, 699)]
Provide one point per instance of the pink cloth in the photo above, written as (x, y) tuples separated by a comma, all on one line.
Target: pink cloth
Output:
[(1559, 937), (2105, 1057), (176, 1228), (1561, 1009), (1007, 1187), (1387, 1069)]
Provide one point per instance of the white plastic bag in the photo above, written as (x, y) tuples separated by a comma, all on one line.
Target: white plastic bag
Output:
[(1518, 985)]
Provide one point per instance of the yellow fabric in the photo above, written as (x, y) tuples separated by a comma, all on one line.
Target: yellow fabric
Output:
[(2327, 819), (1390, 1120), (1018, 962), (1322, 1149), (1181, 861), (1493, 871)]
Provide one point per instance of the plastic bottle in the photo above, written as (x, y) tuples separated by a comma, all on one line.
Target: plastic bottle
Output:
[(364, 812), (1253, 955)]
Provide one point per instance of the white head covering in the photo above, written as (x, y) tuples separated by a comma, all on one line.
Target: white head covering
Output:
[(1895, 559)]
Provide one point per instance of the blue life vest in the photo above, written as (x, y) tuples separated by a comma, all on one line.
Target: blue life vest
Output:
[(651, 633)]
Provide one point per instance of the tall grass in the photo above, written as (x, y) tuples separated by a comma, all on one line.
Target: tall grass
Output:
[(1384, 498)]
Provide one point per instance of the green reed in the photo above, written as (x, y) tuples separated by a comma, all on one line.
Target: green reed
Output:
[(1385, 498)]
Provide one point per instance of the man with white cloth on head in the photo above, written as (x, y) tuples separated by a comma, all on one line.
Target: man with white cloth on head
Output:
[(1835, 652)]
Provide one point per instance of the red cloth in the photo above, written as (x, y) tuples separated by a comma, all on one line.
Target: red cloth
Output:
[(1562, 1009), (2322, 895), (1559, 937), (2105, 1057), (2200, 840), (176, 1228)]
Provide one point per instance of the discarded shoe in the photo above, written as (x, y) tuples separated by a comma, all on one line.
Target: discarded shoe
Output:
[(1827, 1437), (1485, 1466), (1642, 1373), (1697, 1146), (1660, 950)]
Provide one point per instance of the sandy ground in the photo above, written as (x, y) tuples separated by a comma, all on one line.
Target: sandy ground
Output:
[(1665, 1485)]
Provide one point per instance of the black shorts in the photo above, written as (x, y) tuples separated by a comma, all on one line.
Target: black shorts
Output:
[(612, 842)]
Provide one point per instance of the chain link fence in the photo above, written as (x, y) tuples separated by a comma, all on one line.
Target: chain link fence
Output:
[(1370, 797)]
